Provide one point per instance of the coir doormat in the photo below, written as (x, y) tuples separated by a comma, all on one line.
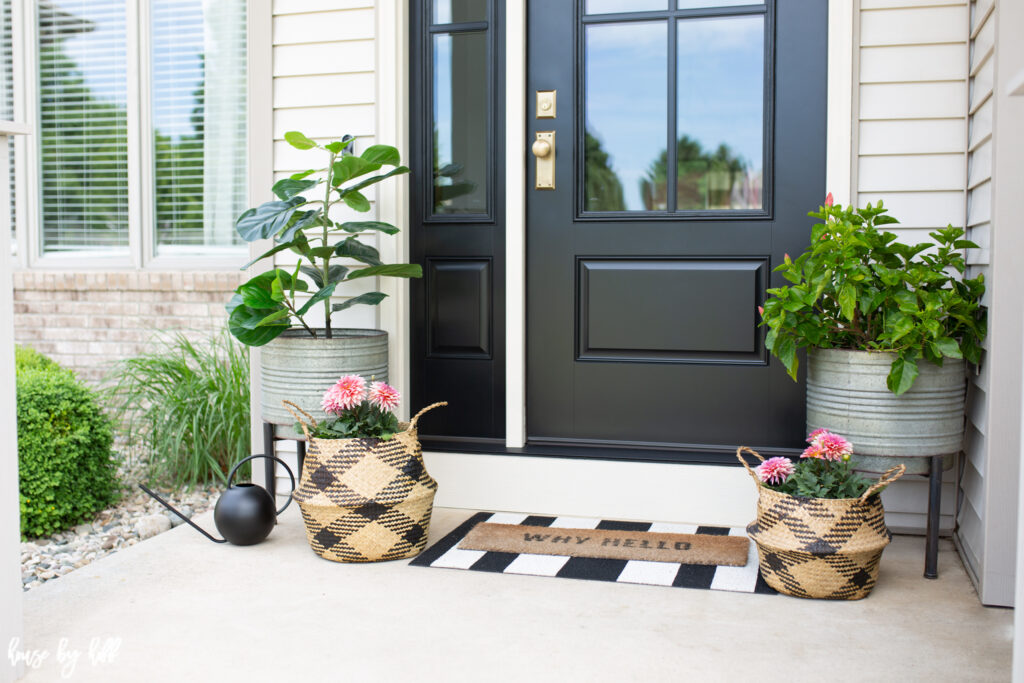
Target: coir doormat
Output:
[(613, 544), (449, 553)]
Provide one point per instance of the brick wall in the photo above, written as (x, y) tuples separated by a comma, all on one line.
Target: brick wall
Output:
[(84, 321)]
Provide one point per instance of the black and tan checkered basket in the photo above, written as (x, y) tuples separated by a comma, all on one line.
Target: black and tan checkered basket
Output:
[(365, 500), (820, 547)]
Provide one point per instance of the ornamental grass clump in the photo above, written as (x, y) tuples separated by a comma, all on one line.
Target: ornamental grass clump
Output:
[(855, 287), (824, 470), (359, 412)]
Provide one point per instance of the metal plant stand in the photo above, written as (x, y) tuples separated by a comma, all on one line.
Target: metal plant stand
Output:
[(270, 437), (931, 547)]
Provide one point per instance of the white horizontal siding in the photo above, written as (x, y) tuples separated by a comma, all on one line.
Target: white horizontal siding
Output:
[(923, 25), (932, 136), (325, 87), (912, 63), (911, 149)]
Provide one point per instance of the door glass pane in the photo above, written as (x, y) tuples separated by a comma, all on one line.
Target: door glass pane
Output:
[(720, 122), (626, 116), (694, 4), (608, 6), (459, 11), (460, 123)]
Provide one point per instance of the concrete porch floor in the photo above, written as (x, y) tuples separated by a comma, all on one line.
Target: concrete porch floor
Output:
[(186, 609)]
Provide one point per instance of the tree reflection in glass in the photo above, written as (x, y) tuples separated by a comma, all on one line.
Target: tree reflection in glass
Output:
[(705, 179)]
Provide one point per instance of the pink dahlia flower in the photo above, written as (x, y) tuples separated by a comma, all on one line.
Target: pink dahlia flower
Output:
[(347, 393), (815, 434), (774, 470), (384, 396), (834, 447), (813, 451), (828, 199)]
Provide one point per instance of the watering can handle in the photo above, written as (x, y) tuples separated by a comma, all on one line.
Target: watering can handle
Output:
[(271, 457)]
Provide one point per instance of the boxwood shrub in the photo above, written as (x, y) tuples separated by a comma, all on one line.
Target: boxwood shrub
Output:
[(65, 461)]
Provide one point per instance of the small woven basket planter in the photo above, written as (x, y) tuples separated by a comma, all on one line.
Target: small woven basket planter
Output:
[(365, 500), (820, 547)]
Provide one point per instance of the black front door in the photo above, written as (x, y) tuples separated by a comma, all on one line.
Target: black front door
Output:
[(689, 144)]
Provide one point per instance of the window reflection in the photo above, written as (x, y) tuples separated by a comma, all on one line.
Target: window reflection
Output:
[(720, 115), (459, 11), (626, 112), (460, 123)]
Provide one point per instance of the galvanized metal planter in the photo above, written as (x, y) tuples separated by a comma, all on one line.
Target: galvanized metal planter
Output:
[(297, 367), (846, 393)]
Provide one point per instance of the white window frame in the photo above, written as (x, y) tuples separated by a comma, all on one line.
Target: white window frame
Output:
[(141, 253)]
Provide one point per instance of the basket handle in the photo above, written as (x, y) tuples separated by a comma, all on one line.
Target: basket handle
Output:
[(743, 461), (417, 416), (288, 405), (890, 475)]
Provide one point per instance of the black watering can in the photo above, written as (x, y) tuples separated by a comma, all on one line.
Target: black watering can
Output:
[(244, 514)]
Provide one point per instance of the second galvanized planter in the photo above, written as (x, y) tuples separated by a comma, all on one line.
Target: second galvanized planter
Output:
[(847, 394)]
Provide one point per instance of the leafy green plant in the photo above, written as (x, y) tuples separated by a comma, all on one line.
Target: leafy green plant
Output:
[(27, 358), (265, 306), (856, 287), (187, 406), (66, 470)]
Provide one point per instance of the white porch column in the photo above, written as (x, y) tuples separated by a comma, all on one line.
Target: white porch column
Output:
[(10, 526)]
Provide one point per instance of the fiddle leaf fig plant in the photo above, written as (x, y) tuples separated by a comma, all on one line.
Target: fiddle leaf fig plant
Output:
[(299, 220), (856, 287)]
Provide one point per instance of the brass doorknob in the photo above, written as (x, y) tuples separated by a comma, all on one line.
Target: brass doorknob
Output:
[(541, 149)]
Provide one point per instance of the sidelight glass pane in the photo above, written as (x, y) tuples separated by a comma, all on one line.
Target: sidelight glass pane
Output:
[(461, 116), (694, 4), (720, 119), (626, 114), (459, 11), (83, 129), (609, 6)]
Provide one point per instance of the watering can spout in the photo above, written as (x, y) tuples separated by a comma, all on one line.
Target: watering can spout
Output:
[(244, 514)]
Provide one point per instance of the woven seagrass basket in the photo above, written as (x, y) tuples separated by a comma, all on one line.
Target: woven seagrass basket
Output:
[(820, 547), (365, 500)]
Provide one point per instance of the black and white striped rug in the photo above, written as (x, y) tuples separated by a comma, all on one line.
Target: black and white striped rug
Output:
[(447, 554)]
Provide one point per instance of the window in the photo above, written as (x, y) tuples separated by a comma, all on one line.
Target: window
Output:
[(173, 70)]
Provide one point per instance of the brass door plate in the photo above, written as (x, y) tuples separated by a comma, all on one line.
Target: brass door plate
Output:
[(546, 104), (544, 151)]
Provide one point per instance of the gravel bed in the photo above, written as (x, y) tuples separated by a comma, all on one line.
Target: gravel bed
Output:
[(134, 518)]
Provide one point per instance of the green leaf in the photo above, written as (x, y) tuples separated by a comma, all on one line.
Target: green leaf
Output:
[(357, 201), (338, 145), (298, 140), (375, 179), (274, 317), (322, 294), (252, 336), (363, 226), (271, 252), (369, 298), (334, 274), (901, 375), (302, 174), (948, 347), (391, 270), (257, 295), (353, 248), (381, 155), (299, 221), (786, 352), (848, 300), (286, 188), (267, 219), (349, 167)]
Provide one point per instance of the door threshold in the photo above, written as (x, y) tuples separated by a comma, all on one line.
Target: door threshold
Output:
[(597, 450)]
